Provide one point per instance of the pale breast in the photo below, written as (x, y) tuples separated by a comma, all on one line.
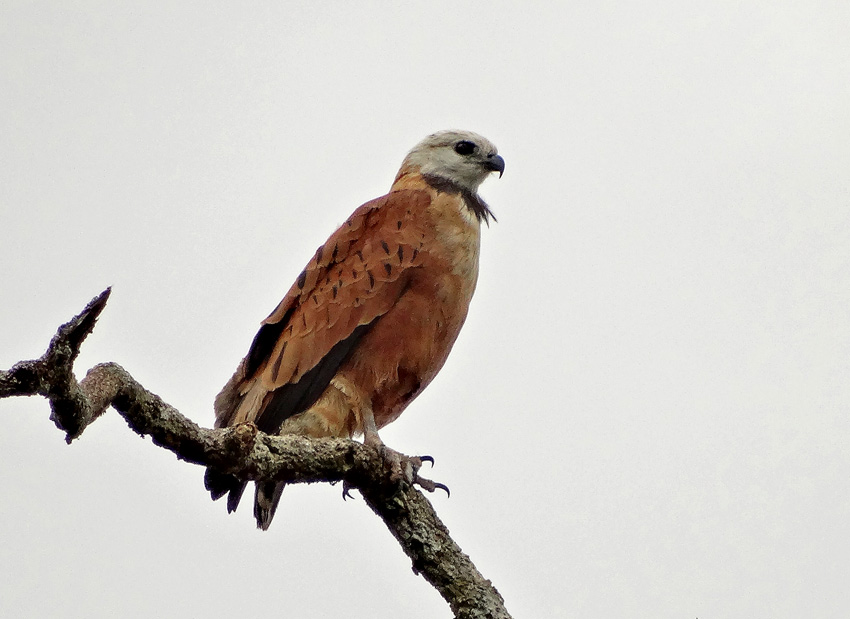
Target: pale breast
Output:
[(458, 232)]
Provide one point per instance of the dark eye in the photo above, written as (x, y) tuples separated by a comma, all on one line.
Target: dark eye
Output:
[(464, 148)]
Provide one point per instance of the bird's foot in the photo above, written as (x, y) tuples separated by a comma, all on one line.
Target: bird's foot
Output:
[(429, 485), (404, 467), (346, 490)]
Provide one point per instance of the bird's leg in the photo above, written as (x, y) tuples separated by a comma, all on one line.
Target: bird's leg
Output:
[(400, 465)]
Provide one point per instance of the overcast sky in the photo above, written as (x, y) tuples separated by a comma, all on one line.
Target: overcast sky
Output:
[(648, 411)]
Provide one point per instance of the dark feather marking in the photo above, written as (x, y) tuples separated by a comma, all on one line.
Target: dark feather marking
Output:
[(319, 253), (360, 255), (398, 225), (388, 268), (315, 299), (472, 200), (335, 290), (371, 278), (276, 366), (400, 253), (354, 273), (294, 398), (415, 253), (264, 342), (386, 247), (302, 278), (333, 255)]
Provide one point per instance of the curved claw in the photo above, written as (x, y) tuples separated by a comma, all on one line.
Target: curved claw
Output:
[(428, 459), (443, 487), (430, 486), (346, 492)]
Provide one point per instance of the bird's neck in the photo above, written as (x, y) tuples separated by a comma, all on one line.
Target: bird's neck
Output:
[(408, 177), (411, 177)]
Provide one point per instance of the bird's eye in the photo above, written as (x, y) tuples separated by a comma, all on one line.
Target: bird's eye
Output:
[(464, 147)]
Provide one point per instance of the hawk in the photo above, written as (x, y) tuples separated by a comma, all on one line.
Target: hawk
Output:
[(371, 319)]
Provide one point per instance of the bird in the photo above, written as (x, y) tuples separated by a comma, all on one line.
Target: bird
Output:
[(372, 317)]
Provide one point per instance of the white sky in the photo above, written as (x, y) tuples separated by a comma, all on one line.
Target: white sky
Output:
[(647, 412)]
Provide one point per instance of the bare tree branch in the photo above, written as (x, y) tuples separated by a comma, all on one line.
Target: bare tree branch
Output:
[(253, 455)]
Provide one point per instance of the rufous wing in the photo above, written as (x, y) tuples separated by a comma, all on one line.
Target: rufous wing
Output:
[(352, 280)]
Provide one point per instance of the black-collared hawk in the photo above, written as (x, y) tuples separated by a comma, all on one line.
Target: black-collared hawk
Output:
[(371, 319)]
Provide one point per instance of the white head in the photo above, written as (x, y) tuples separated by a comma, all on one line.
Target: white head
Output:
[(462, 158)]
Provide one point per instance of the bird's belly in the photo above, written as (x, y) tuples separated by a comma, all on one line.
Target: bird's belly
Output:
[(407, 347)]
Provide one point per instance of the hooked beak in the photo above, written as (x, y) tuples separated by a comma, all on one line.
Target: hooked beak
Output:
[(495, 163)]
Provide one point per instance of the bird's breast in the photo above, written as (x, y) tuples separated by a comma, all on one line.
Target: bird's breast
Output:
[(457, 235)]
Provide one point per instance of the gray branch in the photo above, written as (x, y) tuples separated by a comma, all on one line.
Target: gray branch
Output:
[(250, 454)]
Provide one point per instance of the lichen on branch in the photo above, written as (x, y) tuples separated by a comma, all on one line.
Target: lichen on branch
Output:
[(249, 454)]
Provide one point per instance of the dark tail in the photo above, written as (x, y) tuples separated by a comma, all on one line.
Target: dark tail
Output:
[(220, 484), (266, 498)]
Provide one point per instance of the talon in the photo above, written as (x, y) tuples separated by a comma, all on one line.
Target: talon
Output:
[(346, 492), (443, 487), (428, 459), (430, 486)]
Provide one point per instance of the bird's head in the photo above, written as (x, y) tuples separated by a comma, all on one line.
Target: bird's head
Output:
[(463, 158)]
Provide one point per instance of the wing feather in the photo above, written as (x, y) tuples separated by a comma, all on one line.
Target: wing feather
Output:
[(352, 280)]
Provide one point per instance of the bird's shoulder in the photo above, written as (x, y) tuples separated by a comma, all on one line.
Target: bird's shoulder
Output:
[(357, 275), (380, 239)]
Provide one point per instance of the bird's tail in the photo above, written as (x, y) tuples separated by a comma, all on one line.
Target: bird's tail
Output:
[(218, 484), (232, 406), (266, 498)]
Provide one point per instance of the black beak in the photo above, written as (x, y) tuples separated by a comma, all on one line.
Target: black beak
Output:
[(495, 163)]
